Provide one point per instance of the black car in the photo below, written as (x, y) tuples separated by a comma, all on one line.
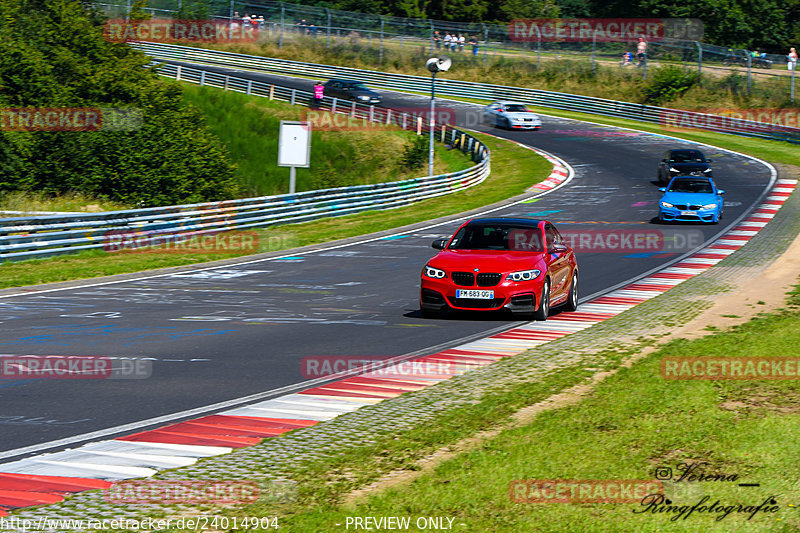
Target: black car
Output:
[(683, 162), (351, 90)]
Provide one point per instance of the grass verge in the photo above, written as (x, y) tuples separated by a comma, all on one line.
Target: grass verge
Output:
[(632, 424), (514, 169), (248, 126)]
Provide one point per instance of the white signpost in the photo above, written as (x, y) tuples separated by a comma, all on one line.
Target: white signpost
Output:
[(294, 147)]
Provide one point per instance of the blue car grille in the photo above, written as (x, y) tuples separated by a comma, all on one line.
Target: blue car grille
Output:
[(685, 207)]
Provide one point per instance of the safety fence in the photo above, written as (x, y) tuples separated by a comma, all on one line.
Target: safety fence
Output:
[(42, 236), (774, 125), (283, 22)]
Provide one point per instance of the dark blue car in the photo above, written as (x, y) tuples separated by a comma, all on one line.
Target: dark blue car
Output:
[(691, 199)]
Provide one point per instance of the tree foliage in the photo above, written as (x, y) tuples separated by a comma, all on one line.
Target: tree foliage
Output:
[(53, 54)]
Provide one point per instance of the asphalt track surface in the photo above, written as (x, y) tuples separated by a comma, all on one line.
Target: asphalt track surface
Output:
[(222, 334)]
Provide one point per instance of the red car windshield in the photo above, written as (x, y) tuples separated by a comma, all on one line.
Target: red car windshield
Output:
[(497, 237)]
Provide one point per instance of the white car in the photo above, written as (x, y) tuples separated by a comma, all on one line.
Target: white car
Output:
[(512, 115)]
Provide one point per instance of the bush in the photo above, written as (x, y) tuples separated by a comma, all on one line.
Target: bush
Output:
[(667, 84), (415, 153)]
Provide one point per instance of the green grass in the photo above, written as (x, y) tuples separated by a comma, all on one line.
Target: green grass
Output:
[(514, 169), (630, 424), (249, 125), (31, 201)]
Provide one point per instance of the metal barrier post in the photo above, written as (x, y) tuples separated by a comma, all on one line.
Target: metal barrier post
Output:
[(333, 106), (749, 66), (419, 125), (225, 85), (271, 91), (485, 43), (249, 87), (202, 78), (291, 101), (283, 26), (230, 21), (178, 74), (353, 110), (372, 113), (328, 11), (791, 92), (699, 61), (380, 52), (405, 117), (444, 128)]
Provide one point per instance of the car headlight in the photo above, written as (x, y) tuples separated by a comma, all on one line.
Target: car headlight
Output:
[(707, 170), (673, 169), (666, 204), (434, 273), (524, 275), (363, 98), (710, 206)]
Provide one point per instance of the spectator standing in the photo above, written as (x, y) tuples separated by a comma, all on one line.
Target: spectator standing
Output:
[(437, 39), (641, 51), (792, 59), (319, 94), (461, 42), (448, 40), (473, 42)]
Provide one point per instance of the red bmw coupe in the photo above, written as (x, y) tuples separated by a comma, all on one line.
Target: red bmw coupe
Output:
[(518, 264)]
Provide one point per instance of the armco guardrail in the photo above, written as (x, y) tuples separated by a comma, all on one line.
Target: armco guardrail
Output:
[(41, 236), (570, 102)]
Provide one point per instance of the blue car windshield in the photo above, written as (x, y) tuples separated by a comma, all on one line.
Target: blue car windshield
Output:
[(688, 157), (497, 237), (700, 186)]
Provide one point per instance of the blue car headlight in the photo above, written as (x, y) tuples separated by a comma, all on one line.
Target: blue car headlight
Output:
[(666, 204), (524, 275), (434, 273), (710, 206)]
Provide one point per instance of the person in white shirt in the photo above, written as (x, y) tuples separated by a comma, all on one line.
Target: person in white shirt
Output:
[(448, 40), (461, 41), (792, 59)]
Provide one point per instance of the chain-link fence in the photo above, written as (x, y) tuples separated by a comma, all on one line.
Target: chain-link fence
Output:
[(284, 22)]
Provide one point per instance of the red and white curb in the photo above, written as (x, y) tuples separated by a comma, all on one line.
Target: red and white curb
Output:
[(48, 478)]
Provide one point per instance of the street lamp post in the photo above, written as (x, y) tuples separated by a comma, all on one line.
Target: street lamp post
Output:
[(434, 64)]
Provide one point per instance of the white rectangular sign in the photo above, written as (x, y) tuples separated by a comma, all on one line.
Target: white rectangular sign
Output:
[(294, 144)]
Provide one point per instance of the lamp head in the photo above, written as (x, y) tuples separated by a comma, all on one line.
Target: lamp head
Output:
[(438, 64)]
